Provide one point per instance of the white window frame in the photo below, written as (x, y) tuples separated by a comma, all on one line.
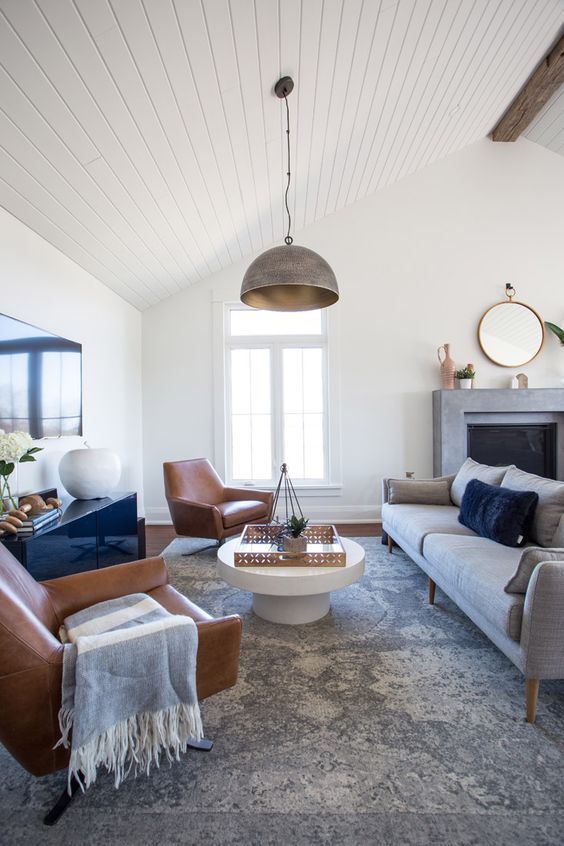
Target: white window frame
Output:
[(224, 342)]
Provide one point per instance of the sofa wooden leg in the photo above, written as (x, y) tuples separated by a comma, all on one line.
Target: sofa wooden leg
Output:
[(532, 693), (390, 543), (432, 587)]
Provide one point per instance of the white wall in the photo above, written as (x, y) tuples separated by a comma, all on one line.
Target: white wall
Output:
[(41, 286), (417, 264)]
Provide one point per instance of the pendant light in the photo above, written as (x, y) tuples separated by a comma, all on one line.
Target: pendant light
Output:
[(289, 278)]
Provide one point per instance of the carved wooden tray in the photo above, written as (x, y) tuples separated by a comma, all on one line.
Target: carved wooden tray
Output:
[(261, 546)]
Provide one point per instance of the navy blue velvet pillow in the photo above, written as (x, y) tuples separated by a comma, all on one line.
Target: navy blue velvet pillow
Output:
[(498, 513)]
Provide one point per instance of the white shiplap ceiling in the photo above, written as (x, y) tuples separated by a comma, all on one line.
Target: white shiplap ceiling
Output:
[(548, 126), (142, 138)]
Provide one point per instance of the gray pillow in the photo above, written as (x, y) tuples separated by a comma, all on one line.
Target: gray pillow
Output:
[(558, 539), (472, 470), (530, 557), (418, 492), (550, 507)]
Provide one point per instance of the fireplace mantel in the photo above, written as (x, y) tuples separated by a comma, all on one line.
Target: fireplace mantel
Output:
[(453, 410)]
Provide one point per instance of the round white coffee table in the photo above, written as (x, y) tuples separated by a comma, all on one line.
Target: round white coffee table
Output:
[(291, 595)]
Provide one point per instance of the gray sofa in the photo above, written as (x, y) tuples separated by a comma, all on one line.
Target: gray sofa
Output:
[(523, 615)]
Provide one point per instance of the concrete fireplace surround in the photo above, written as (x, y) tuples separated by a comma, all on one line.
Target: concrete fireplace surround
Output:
[(454, 410)]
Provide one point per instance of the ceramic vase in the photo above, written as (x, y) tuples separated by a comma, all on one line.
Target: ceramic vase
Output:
[(448, 367), (465, 384), (90, 473)]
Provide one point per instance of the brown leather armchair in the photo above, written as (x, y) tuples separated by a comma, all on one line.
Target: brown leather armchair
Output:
[(201, 506), (31, 656)]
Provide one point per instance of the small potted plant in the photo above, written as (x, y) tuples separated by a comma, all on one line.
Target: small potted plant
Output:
[(465, 377), (293, 538)]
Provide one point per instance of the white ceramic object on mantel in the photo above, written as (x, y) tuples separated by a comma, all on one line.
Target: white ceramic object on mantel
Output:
[(465, 384), (90, 473)]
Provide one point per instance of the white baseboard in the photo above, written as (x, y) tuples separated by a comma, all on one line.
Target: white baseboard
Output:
[(157, 516), (323, 514)]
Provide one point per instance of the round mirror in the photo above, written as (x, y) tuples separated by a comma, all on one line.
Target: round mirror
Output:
[(511, 333)]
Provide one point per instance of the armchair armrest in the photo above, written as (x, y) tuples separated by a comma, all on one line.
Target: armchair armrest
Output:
[(542, 632), (234, 494), (73, 593)]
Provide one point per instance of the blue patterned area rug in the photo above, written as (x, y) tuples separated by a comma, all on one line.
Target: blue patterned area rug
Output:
[(387, 722)]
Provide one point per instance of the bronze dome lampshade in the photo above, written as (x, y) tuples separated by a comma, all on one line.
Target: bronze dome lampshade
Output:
[(289, 278)]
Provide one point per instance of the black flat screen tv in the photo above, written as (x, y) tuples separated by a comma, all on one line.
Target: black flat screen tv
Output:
[(40, 381)]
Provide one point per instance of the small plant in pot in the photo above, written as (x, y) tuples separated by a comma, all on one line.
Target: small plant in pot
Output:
[(465, 377), (293, 538)]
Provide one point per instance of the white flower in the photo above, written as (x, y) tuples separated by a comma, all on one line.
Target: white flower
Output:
[(14, 445)]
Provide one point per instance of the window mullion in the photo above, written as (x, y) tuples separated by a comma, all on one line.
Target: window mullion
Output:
[(303, 414), (326, 439), (251, 419), (277, 410)]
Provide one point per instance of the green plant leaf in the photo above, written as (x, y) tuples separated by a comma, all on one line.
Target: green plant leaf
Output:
[(295, 525), (34, 449), (6, 468), (465, 373), (556, 330), (26, 457)]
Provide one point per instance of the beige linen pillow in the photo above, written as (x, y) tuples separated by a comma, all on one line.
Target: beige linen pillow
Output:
[(550, 506), (418, 492), (473, 470), (530, 557)]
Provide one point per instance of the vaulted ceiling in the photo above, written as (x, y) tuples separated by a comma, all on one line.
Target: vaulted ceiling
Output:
[(142, 137)]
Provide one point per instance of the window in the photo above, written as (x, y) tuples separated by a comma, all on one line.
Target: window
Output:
[(276, 396)]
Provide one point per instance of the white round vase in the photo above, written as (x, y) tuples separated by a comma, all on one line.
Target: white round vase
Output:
[(90, 473)]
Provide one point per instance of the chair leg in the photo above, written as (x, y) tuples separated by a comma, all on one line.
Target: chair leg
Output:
[(432, 587), (203, 745), (532, 693), (390, 544), (62, 803), (214, 545)]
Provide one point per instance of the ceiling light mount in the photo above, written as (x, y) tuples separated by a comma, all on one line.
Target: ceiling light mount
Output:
[(289, 278), (283, 87)]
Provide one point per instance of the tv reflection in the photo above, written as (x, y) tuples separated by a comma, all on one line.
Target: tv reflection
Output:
[(40, 381)]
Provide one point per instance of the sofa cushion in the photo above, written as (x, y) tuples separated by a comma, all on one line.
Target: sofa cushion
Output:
[(500, 514), (478, 569), (472, 470), (530, 557), (418, 492), (550, 507), (413, 523)]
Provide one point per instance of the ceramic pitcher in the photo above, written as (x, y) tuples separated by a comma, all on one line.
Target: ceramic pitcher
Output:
[(448, 367)]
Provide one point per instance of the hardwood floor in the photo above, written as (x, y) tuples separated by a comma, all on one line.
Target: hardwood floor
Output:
[(159, 537)]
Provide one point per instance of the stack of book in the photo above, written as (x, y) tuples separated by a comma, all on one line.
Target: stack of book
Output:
[(38, 521)]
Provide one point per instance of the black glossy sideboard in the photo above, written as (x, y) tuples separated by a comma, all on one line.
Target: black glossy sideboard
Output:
[(90, 534)]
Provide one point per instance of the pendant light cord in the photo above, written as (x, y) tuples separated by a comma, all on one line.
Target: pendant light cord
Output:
[(288, 239)]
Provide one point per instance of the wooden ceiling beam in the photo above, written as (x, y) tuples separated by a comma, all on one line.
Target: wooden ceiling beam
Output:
[(537, 91)]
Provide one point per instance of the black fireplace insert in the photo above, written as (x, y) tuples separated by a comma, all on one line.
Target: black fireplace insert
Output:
[(531, 447)]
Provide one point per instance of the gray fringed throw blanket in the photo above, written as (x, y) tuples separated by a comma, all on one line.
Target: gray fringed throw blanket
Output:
[(129, 687)]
